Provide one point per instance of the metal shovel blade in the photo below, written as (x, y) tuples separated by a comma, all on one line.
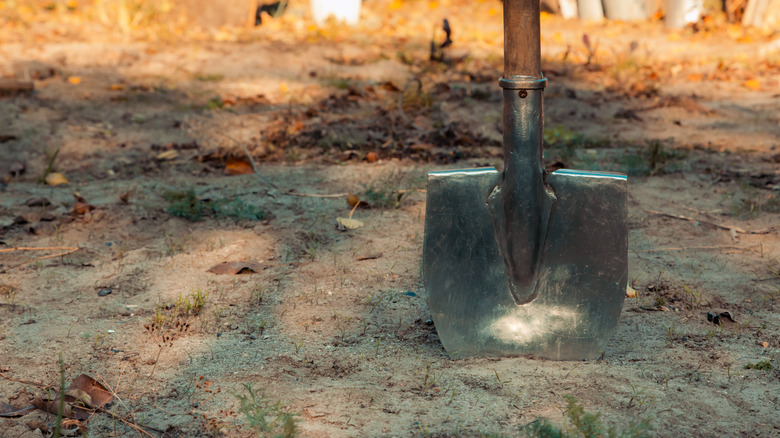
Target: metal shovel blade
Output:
[(523, 261), (583, 273)]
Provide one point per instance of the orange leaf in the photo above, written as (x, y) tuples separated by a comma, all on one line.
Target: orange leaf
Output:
[(237, 166), (75, 80), (695, 77), (116, 87), (353, 200), (752, 84), (371, 157)]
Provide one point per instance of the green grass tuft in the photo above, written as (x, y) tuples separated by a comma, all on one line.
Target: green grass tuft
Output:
[(583, 424), (266, 419)]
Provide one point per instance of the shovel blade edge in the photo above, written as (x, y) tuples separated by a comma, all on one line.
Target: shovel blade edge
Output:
[(582, 278)]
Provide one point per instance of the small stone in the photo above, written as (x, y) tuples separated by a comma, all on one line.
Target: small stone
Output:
[(105, 291)]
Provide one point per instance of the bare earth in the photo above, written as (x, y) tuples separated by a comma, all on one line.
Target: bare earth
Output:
[(335, 324)]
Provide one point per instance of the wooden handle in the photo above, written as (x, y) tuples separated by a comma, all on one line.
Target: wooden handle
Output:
[(522, 38)]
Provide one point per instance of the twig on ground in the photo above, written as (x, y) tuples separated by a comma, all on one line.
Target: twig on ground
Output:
[(13, 86), (69, 250), (712, 224), (317, 195), (353, 210)]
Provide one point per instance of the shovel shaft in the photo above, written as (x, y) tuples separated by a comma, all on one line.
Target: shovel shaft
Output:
[(521, 205), (522, 38)]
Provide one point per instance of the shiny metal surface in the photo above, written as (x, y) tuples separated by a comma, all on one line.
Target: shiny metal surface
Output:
[(521, 203), (581, 280), (524, 262)]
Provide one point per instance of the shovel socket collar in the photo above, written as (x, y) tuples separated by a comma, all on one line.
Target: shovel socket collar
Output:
[(523, 83)]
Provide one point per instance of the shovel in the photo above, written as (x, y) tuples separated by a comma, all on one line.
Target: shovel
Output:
[(525, 262)]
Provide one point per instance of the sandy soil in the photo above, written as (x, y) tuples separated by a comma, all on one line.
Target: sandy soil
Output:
[(335, 324)]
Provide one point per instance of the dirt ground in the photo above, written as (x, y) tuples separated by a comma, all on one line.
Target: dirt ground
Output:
[(150, 132)]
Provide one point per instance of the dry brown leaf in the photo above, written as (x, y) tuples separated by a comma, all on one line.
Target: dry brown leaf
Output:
[(55, 179), (752, 84), (347, 224), (353, 200), (97, 393), (69, 411), (37, 202), (630, 292), (116, 87), (168, 155), (9, 411), (82, 207), (237, 166), (79, 397), (236, 268)]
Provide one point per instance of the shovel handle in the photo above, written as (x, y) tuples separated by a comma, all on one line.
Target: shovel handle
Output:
[(522, 38)]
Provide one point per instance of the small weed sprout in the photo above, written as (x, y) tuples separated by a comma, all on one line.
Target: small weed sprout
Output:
[(265, 418), (582, 424), (640, 399), (10, 294), (672, 333), (256, 295), (763, 365), (502, 382)]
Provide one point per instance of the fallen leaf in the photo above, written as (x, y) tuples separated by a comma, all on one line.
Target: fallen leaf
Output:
[(719, 317), (80, 398), (98, 394), (116, 87), (372, 157), (9, 411), (630, 292), (125, 197), (236, 268), (37, 202), (167, 155), (82, 207), (55, 179), (695, 77), (75, 80), (52, 407), (752, 84), (353, 200), (346, 224), (238, 166), (765, 344)]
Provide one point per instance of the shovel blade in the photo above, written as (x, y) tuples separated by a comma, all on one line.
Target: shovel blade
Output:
[(582, 278)]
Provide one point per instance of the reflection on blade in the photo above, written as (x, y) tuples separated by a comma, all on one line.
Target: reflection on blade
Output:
[(525, 325)]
